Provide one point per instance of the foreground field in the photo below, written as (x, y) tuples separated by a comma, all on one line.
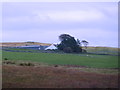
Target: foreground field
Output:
[(23, 68), (55, 70), (85, 60), (15, 76)]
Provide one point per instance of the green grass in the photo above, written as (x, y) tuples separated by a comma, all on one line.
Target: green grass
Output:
[(103, 50), (21, 49), (96, 61)]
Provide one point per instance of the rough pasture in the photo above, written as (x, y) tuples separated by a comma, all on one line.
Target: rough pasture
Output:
[(55, 77)]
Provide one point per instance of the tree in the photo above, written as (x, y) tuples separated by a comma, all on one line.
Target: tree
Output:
[(78, 42), (67, 50), (64, 36), (85, 43), (68, 44)]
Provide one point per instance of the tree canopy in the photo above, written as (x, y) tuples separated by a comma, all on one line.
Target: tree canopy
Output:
[(85, 43), (69, 44)]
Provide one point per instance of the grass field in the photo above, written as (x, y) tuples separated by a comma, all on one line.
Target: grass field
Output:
[(22, 49), (87, 60), (23, 69)]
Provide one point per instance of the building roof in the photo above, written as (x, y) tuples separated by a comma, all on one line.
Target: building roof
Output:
[(51, 47)]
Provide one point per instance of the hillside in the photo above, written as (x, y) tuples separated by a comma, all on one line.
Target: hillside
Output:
[(90, 49), (14, 44)]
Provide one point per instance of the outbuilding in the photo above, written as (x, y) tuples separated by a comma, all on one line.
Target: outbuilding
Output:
[(51, 47)]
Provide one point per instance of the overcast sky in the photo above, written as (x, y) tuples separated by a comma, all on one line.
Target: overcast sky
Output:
[(96, 22)]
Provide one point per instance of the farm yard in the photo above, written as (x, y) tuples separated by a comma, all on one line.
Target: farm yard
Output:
[(25, 68)]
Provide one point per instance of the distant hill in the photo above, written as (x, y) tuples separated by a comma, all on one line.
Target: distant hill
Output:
[(14, 44)]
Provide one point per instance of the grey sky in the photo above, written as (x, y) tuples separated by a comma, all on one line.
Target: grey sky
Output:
[(45, 21)]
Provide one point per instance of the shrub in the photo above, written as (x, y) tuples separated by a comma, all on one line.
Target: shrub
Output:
[(5, 58), (84, 51), (26, 64), (30, 64), (55, 65), (9, 62)]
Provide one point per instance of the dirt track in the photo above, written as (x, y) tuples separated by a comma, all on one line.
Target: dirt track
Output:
[(55, 77)]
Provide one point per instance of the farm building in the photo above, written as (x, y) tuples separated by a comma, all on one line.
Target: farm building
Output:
[(42, 47), (35, 47), (51, 47)]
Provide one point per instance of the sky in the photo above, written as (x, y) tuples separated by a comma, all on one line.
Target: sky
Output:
[(95, 22)]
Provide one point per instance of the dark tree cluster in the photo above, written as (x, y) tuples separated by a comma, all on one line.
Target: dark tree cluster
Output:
[(69, 44)]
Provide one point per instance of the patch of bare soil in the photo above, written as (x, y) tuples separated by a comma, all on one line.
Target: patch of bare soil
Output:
[(14, 76)]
